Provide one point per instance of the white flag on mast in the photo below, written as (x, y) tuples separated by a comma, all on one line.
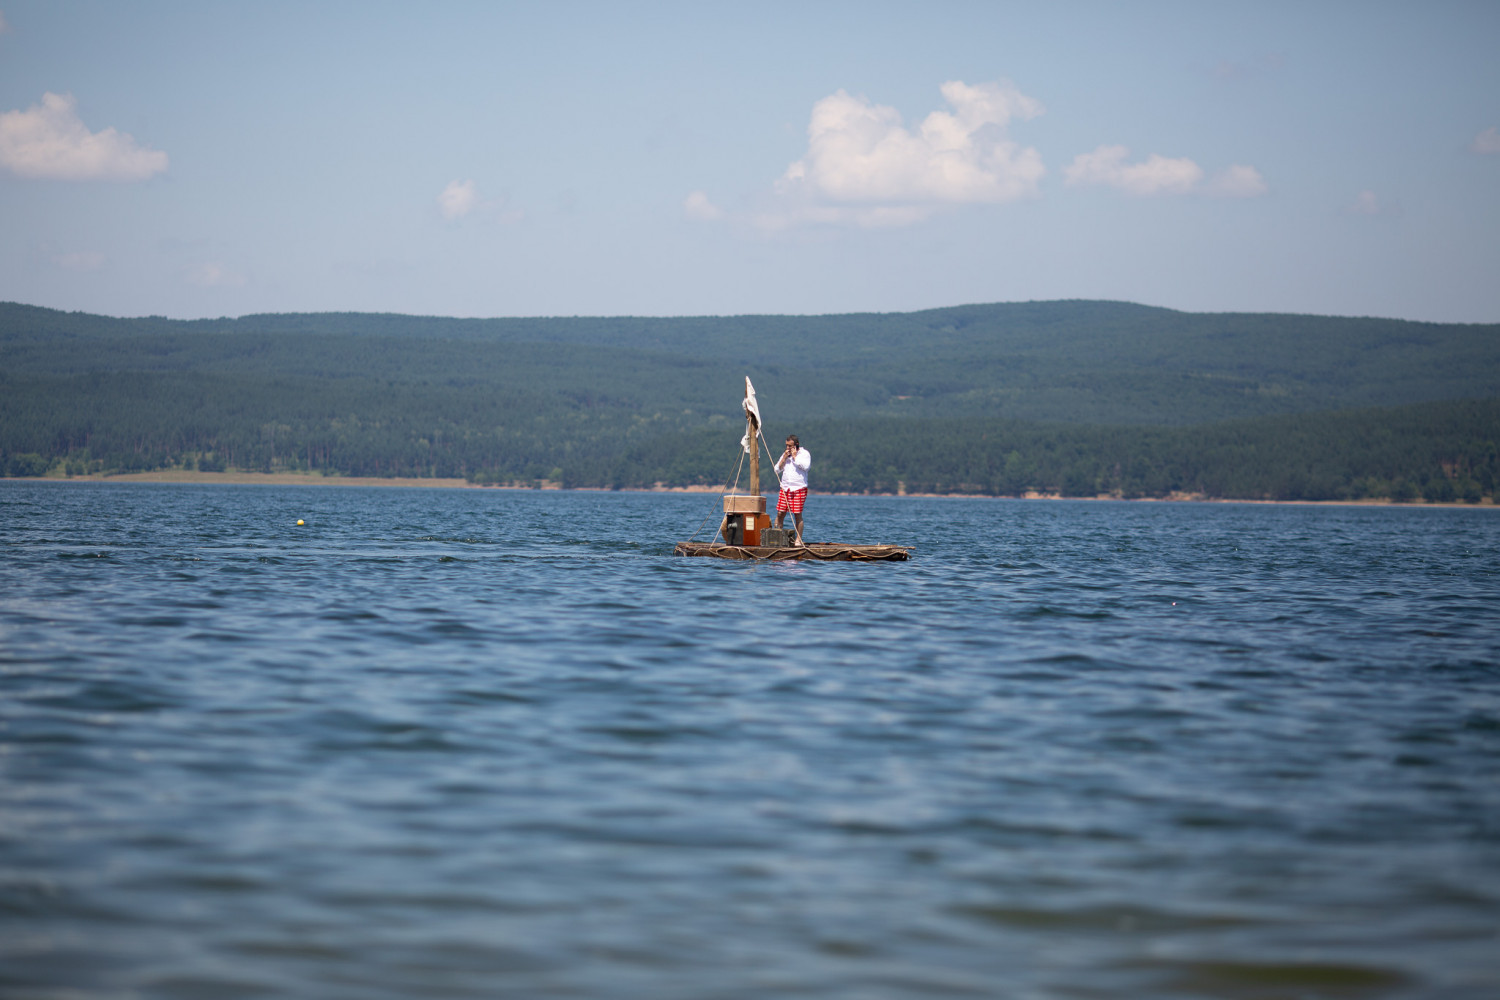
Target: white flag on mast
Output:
[(752, 410)]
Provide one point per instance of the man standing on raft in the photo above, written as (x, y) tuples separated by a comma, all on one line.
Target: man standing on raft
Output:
[(792, 466)]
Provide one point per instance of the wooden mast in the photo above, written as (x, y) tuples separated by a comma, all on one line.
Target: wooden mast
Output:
[(754, 455), (745, 513)]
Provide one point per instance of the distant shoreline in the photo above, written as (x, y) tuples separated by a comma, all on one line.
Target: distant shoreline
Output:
[(188, 477)]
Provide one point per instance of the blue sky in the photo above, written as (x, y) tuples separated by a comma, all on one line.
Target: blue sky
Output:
[(192, 160)]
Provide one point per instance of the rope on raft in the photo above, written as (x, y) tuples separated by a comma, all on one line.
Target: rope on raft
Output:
[(722, 490), (767, 446), (734, 481)]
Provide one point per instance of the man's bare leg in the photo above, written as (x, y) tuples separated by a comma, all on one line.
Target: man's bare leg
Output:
[(797, 521)]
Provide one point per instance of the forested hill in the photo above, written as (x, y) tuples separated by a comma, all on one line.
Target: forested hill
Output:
[(626, 400), (1093, 362)]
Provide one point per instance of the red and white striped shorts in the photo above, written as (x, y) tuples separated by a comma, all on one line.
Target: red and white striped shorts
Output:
[(791, 501)]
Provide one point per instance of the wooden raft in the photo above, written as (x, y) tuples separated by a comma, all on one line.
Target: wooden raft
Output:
[(746, 525), (821, 552)]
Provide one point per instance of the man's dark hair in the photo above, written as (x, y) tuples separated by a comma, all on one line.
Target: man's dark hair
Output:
[(793, 438)]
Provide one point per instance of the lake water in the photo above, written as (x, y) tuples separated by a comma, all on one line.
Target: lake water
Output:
[(461, 743)]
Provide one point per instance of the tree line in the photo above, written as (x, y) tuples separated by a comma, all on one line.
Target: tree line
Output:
[(133, 421)]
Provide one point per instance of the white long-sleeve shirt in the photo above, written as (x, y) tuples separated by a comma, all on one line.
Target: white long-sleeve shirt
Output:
[(794, 473)]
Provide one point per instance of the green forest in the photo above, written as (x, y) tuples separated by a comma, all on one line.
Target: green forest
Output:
[(1074, 398)]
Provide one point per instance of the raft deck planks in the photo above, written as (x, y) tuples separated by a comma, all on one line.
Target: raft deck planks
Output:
[(823, 552)]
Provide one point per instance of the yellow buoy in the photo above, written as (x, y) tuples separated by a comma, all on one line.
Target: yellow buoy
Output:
[(300, 522)]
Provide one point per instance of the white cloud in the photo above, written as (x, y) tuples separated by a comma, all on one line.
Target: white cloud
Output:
[(863, 166), (698, 208), (81, 260), (48, 140), (1365, 203), (1487, 142), (1157, 175), (1369, 203), (458, 199), (213, 274), (461, 199), (1160, 175), (1239, 181)]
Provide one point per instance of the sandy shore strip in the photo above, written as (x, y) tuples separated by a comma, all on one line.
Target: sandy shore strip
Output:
[(194, 477)]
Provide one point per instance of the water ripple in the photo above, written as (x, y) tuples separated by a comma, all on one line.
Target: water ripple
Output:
[(476, 743)]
